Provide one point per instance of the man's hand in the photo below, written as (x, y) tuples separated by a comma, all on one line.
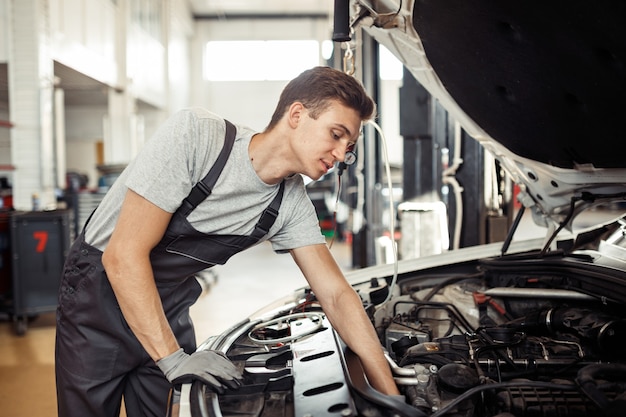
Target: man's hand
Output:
[(212, 368)]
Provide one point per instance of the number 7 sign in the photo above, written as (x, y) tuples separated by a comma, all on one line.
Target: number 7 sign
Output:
[(41, 236)]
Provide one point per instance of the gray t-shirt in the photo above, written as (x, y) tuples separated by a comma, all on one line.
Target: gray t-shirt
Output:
[(178, 156)]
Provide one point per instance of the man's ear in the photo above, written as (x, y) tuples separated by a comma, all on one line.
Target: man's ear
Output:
[(295, 113)]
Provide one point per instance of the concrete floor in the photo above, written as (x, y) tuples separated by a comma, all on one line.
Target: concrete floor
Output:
[(248, 282)]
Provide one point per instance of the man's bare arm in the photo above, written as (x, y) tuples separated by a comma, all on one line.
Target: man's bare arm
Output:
[(126, 260), (345, 311)]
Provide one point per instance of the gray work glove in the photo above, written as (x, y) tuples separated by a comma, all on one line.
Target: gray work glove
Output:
[(212, 368)]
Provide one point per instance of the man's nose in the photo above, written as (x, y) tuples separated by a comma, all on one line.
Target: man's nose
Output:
[(340, 153)]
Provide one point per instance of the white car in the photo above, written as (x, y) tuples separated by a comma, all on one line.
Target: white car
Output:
[(520, 328)]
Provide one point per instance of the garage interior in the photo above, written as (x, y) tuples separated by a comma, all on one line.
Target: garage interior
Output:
[(84, 83)]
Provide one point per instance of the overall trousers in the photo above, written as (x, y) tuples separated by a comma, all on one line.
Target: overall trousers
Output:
[(98, 359)]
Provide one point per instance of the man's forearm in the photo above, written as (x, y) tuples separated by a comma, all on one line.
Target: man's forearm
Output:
[(126, 259), (354, 327), (141, 306), (344, 309)]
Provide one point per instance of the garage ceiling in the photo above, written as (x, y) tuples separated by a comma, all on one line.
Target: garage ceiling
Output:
[(80, 90)]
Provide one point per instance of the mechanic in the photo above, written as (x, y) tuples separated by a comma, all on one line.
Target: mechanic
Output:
[(123, 324)]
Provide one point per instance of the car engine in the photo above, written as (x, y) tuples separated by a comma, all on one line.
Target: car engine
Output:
[(483, 347)]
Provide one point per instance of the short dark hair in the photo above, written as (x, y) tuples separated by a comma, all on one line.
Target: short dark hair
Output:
[(317, 87)]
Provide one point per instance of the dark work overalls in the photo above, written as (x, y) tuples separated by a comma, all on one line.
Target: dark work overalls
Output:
[(98, 358)]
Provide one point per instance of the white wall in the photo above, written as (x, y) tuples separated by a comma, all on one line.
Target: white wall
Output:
[(84, 37), (389, 109), (179, 59), (84, 129), (248, 103), (82, 158), (3, 30), (97, 38)]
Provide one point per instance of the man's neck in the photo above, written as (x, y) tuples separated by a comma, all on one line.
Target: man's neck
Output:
[(269, 155)]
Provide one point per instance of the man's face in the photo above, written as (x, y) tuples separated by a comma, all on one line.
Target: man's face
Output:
[(324, 141)]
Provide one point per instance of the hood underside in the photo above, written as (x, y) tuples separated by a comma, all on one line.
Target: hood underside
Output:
[(540, 85)]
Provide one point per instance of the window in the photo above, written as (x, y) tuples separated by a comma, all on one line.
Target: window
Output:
[(390, 67), (259, 60)]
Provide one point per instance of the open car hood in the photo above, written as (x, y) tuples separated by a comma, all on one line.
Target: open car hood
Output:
[(541, 86)]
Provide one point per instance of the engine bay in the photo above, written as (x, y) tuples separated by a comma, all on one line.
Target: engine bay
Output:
[(507, 344), (519, 335)]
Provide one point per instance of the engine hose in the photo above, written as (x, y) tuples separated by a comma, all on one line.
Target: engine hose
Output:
[(314, 317)]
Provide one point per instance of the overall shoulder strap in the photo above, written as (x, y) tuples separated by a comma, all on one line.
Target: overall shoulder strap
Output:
[(269, 215), (205, 187)]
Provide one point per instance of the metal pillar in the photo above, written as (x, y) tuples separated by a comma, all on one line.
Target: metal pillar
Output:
[(363, 245), (416, 127)]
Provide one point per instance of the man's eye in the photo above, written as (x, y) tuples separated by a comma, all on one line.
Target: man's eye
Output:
[(350, 147)]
